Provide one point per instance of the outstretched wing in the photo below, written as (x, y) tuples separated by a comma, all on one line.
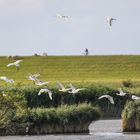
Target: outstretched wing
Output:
[(33, 77), (17, 62), (36, 75), (111, 99), (134, 97), (46, 90), (103, 96), (72, 87), (10, 64), (42, 90), (60, 85), (50, 94), (3, 78), (111, 21), (120, 90)]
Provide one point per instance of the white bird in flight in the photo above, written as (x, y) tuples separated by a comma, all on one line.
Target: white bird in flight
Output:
[(110, 20), (74, 90), (110, 98), (45, 90), (134, 97), (40, 83), (60, 16), (7, 79), (33, 77), (16, 63), (62, 88), (121, 93)]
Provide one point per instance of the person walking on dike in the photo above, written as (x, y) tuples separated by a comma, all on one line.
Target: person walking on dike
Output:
[(86, 51)]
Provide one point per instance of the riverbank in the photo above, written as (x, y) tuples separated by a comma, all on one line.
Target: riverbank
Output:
[(97, 129), (131, 117), (64, 119), (22, 107)]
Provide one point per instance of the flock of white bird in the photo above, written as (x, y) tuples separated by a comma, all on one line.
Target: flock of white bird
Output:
[(121, 93), (38, 82), (71, 89), (66, 17)]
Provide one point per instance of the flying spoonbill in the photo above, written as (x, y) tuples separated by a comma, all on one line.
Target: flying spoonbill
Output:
[(7, 79), (60, 16), (62, 88), (45, 90), (121, 93), (74, 90), (110, 98), (110, 20), (40, 83), (16, 63), (134, 97)]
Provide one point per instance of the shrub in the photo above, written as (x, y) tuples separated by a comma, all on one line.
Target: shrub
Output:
[(90, 95), (131, 116), (63, 115), (10, 105), (128, 83)]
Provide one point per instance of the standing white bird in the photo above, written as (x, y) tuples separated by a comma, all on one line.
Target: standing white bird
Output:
[(74, 90), (16, 63), (110, 20), (60, 16), (134, 97), (62, 88), (7, 79), (110, 98), (121, 93), (45, 90)]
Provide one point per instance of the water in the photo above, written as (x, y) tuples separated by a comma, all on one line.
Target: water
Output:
[(100, 130)]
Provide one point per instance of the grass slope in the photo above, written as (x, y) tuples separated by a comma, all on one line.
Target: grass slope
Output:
[(75, 68)]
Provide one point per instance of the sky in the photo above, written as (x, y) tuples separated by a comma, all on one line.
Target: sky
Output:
[(31, 26)]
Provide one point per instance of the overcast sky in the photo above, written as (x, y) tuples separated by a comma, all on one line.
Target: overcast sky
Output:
[(30, 26)]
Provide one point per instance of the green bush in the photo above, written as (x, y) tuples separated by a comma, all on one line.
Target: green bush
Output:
[(131, 116), (74, 114), (10, 105), (128, 83), (89, 95)]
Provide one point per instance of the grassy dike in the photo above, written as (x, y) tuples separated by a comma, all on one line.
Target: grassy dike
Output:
[(75, 69), (131, 117)]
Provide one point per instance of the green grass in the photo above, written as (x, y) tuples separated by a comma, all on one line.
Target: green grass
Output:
[(76, 69)]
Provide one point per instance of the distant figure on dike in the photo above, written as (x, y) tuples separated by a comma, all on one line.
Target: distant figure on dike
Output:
[(86, 51)]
